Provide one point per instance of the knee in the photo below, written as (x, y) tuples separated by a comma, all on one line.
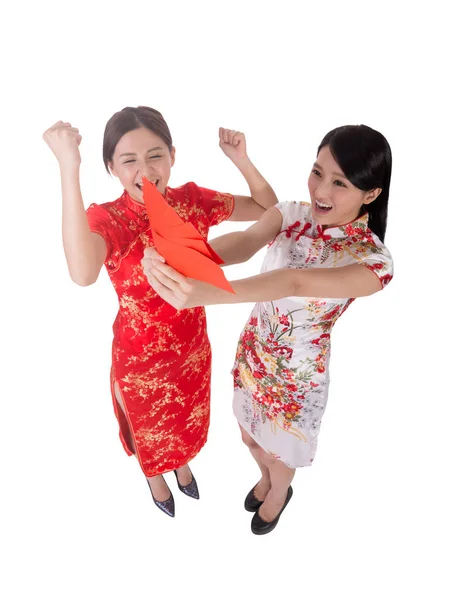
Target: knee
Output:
[(248, 440), (266, 458)]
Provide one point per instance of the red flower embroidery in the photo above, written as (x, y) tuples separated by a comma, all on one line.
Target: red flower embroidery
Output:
[(284, 320)]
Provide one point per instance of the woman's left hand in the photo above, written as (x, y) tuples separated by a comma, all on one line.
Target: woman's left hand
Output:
[(179, 291)]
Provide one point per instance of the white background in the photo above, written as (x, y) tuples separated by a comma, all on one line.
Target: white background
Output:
[(372, 517)]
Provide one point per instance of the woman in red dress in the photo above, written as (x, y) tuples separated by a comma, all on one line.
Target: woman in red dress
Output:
[(161, 357)]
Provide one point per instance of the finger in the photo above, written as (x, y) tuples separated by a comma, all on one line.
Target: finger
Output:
[(160, 289), (152, 253), (178, 294), (57, 124), (164, 293), (146, 263), (226, 136), (168, 282), (238, 137), (171, 273), (180, 291), (231, 134)]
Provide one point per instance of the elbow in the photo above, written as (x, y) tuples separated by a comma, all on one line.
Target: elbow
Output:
[(84, 279)]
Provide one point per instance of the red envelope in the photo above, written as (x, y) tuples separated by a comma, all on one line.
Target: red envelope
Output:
[(180, 243)]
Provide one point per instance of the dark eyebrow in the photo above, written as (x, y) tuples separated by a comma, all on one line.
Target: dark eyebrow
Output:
[(318, 166), (134, 154)]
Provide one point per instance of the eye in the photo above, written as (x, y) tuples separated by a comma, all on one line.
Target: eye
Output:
[(316, 172), (129, 161), (339, 183), (156, 156)]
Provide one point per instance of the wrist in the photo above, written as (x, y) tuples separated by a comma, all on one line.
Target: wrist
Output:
[(244, 164), (69, 169)]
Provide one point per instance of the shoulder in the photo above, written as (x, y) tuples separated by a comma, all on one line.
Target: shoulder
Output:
[(110, 218), (371, 244), (293, 206), (113, 209), (294, 211), (190, 188), (373, 253)]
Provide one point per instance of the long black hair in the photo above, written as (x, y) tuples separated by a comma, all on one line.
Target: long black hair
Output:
[(365, 158)]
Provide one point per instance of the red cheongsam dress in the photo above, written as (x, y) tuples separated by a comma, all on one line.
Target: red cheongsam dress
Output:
[(161, 357)]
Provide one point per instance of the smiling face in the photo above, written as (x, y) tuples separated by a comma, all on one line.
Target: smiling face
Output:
[(335, 200), (142, 153)]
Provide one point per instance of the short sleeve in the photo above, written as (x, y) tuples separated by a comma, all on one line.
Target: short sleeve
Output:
[(379, 260), (293, 213), (102, 222), (218, 207)]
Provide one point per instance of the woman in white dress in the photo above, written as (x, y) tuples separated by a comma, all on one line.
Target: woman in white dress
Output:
[(312, 272)]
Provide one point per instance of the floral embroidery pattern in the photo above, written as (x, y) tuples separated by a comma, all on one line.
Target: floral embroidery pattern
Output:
[(161, 357), (282, 359)]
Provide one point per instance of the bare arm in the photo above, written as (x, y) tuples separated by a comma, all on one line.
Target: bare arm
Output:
[(352, 281), (262, 196), (85, 251), (240, 246)]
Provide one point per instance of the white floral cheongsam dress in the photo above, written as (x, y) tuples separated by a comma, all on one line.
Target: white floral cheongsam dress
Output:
[(281, 371)]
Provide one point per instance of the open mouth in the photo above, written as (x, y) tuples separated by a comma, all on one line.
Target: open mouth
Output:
[(140, 186), (321, 207)]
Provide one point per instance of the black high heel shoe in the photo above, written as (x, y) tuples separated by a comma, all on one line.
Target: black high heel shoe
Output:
[(167, 506), (260, 527), (251, 503), (191, 489)]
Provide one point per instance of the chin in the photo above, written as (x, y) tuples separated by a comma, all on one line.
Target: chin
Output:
[(320, 219), (136, 195)]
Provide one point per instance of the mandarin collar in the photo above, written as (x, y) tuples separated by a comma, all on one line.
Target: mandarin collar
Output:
[(137, 207), (357, 227)]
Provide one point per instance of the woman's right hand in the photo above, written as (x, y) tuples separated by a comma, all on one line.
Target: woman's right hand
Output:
[(64, 141)]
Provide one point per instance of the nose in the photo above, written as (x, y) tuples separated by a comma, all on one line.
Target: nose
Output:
[(146, 170), (323, 191)]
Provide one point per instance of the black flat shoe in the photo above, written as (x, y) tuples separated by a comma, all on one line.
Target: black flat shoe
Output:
[(167, 506), (260, 527), (251, 503), (189, 490)]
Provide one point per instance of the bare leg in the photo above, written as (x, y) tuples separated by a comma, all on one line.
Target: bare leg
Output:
[(184, 475), (158, 486), (264, 485), (281, 477)]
